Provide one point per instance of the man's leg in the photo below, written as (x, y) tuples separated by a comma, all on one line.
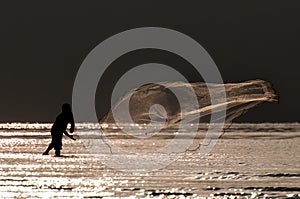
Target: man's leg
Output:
[(57, 153), (50, 147), (57, 150), (58, 144)]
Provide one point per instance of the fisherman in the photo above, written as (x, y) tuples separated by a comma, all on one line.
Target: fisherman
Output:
[(59, 128)]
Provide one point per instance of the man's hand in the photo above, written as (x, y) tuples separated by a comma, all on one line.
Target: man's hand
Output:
[(72, 137)]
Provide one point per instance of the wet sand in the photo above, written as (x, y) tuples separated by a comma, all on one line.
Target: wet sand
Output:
[(248, 161)]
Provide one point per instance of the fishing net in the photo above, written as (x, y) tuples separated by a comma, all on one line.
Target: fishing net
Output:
[(155, 113)]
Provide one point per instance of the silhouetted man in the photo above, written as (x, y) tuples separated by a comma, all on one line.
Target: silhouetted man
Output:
[(59, 127)]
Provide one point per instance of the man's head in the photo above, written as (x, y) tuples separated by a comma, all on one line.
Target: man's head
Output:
[(66, 108)]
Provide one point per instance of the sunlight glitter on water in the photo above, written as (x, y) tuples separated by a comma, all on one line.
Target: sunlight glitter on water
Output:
[(249, 161)]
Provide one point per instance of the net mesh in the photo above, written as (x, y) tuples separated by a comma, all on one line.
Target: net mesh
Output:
[(157, 104)]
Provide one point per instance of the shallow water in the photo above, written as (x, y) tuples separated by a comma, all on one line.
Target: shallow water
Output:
[(248, 161)]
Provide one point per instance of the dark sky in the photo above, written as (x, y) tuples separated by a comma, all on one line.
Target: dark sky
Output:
[(42, 45)]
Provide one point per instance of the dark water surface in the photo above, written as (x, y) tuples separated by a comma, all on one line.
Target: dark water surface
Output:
[(248, 161)]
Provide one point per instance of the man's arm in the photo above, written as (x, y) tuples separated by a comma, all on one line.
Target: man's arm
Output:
[(70, 136), (72, 129)]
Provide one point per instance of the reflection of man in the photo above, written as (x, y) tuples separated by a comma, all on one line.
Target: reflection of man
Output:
[(59, 127)]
